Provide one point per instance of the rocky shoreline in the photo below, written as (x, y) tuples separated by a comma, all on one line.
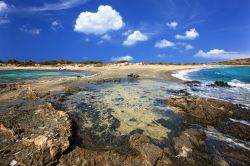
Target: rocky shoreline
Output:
[(41, 132)]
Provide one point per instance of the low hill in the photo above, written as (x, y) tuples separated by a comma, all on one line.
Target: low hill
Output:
[(245, 61)]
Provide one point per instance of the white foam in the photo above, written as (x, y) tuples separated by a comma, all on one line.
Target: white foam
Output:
[(238, 83), (214, 134), (183, 74), (241, 121)]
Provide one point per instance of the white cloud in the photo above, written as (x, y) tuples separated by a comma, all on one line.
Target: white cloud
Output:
[(86, 39), (188, 47), (185, 45), (4, 20), (135, 37), (104, 20), (172, 24), (164, 44), (3, 6), (106, 37), (189, 35), (60, 5), (221, 54), (34, 31), (122, 58), (127, 32), (56, 25), (162, 56)]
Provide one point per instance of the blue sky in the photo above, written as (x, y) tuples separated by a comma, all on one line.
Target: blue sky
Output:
[(111, 30)]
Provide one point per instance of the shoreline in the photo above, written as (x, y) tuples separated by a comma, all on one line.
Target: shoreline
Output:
[(86, 120)]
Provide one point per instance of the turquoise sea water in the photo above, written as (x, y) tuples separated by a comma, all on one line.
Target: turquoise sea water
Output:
[(238, 77), (227, 74), (7, 76)]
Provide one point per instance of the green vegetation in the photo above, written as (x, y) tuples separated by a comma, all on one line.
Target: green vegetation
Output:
[(50, 62)]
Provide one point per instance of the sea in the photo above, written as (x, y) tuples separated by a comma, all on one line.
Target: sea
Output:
[(238, 77)]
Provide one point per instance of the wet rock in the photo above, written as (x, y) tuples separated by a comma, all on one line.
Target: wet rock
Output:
[(192, 83), (190, 148), (240, 157), (132, 75), (35, 136), (208, 111), (237, 130), (220, 84), (181, 92), (216, 113)]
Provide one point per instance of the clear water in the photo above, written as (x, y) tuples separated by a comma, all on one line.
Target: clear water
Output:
[(7, 76), (135, 104), (238, 77)]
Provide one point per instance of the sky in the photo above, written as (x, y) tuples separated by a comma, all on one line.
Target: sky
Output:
[(114, 30)]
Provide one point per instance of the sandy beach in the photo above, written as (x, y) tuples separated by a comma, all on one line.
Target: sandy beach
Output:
[(100, 73)]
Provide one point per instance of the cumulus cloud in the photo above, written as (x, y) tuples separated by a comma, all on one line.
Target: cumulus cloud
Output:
[(189, 35), (164, 44), (135, 37), (172, 25), (3, 6), (56, 25), (104, 20), (122, 58), (221, 54), (163, 56), (34, 31)]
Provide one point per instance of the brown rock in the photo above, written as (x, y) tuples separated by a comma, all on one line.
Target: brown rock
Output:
[(190, 148), (28, 94), (143, 153), (208, 111), (39, 135)]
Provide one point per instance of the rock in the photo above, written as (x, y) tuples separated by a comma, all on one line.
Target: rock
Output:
[(216, 113), (192, 83), (190, 148), (143, 153), (148, 152), (238, 157), (181, 92), (34, 136), (14, 86), (220, 84), (237, 130), (28, 94), (10, 87), (208, 111), (133, 76)]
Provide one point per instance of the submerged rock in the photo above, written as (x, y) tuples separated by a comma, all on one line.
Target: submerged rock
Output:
[(35, 136)]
